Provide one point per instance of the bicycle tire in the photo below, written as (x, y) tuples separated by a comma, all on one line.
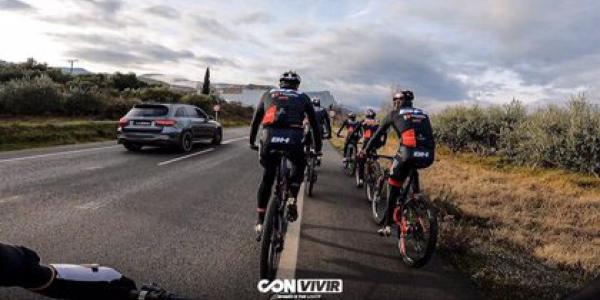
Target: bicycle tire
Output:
[(379, 206), (267, 248), (311, 175), (430, 246), (372, 172), (357, 174), (350, 165)]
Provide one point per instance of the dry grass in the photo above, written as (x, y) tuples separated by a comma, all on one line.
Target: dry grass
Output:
[(518, 233)]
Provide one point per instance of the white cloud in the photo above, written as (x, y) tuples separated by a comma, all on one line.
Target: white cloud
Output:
[(448, 51)]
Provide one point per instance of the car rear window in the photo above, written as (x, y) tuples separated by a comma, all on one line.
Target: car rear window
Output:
[(148, 111)]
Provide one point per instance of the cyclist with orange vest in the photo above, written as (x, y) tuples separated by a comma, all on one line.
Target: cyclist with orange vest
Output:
[(416, 137), (353, 133), (281, 113), (369, 126)]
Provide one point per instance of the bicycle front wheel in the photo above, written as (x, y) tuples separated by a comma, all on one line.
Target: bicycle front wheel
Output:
[(310, 177), (373, 171), (272, 241), (379, 204)]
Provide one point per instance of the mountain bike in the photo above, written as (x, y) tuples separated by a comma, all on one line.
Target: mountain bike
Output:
[(276, 221), (350, 155), (311, 172), (371, 172), (413, 217)]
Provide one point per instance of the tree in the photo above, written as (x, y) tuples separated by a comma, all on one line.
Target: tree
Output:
[(206, 83)]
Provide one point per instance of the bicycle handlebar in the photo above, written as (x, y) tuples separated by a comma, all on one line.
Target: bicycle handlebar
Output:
[(153, 292)]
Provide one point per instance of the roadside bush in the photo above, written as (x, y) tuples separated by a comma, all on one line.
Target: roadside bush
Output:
[(122, 82), (81, 103), (116, 108), (552, 136), (205, 102), (37, 96), (159, 94)]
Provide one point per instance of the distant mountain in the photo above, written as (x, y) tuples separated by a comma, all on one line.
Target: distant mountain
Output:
[(248, 94), (76, 71), (176, 82)]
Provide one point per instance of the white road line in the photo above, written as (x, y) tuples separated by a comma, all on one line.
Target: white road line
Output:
[(56, 154), (289, 255), (184, 157), (234, 140), (198, 153)]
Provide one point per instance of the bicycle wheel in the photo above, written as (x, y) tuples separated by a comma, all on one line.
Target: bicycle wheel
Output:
[(379, 204), (272, 239), (372, 172), (417, 233), (358, 181), (310, 177), (350, 165)]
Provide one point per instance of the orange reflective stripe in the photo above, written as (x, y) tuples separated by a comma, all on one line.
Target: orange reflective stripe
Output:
[(394, 182), (269, 117), (409, 139)]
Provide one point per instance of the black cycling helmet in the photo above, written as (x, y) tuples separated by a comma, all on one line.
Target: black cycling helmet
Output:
[(351, 116), (316, 101), (370, 114), (289, 79), (405, 97)]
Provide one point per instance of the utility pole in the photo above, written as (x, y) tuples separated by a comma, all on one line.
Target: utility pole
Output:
[(72, 61)]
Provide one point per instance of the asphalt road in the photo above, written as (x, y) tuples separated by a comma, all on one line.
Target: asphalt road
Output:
[(186, 222)]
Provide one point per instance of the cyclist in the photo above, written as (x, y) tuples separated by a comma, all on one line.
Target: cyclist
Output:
[(322, 118), (369, 126), (20, 267), (281, 113), (353, 131), (414, 130)]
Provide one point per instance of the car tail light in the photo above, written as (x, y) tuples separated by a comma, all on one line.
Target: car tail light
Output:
[(166, 122), (123, 122)]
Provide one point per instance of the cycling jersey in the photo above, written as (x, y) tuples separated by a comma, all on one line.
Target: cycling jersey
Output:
[(404, 121), (323, 120), (353, 127), (354, 132)]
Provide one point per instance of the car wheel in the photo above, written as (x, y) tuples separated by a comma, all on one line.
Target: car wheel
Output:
[(186, 142), (132, 147), (218, 136)]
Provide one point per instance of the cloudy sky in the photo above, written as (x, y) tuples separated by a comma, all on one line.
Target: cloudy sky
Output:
[(446, 51)]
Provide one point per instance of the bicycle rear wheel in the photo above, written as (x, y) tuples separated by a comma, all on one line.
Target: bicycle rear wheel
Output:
[(272, 240), (350, 165), (417, 232)]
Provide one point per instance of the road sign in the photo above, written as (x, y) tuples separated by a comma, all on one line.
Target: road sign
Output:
[(217, 107)]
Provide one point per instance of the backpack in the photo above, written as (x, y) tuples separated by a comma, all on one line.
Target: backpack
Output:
[(417, 138)]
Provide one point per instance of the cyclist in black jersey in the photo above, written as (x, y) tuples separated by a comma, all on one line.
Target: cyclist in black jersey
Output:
[(281, 113)]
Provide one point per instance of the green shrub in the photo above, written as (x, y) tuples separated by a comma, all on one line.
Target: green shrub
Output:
[(116, 108), (159, 94), (81, 103), (552, 136), (37, 96)]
